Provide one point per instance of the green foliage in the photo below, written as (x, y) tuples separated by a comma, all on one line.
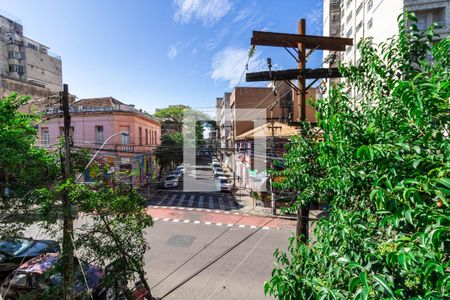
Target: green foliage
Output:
[(381, 161), (23, 166), (173, 114), (170, 152)]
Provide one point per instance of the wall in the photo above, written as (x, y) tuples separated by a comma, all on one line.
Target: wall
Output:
[(43, 68)]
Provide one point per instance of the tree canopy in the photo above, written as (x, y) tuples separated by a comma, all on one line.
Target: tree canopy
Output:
[(380, 160)]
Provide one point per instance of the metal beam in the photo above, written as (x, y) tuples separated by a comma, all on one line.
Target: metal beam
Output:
[(275, 39), (293, 74)]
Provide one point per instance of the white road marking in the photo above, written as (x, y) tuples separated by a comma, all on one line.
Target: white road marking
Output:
[(227, 212), (236, 213), (217, 211), (186, 221), (176, 220), (166, 219), (155, 219), (230, 225), (241, 226), (181, 199), (196, 222), (253, 226), (190, 209), (219, 224), (266, 228), (210, 203), (207, 223), (191, 200), (172, 199)]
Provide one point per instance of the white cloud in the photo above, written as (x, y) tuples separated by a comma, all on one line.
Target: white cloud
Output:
[(207, 11), (314, 21), (172, 52), (228, 65)]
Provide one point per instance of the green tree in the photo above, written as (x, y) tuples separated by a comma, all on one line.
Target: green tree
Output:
[(172, 115), (170, 151), (381, 163), (23, 166)]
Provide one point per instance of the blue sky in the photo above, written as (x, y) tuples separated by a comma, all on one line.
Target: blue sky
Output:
[(153, 53)]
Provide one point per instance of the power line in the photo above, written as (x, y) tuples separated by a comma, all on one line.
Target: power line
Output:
[(213, 261), (197, 253)]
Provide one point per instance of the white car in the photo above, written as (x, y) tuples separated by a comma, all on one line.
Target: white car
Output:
[(171, 181), (219, 174), (215, 165), (217, 170), (180, 169), (222, 184)]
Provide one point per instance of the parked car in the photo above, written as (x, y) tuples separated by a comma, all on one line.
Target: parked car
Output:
[(35, 277), (217, 170), (16, 251), (219, 174), (215, 165), (222, 184), (180, 169), (171, 181)]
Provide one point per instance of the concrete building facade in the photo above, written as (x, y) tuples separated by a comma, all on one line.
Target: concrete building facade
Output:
[(94, 120), (359, 19), (26, 66)]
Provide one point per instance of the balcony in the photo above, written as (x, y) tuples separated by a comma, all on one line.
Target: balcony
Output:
[(126, 148)]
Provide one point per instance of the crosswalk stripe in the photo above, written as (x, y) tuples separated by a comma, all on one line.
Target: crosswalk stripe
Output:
[(162, 199), (200, 201), (196, 222), (186, 221), (191, 200), (172, 200), (221, 203), (181, 199), (210, 202)]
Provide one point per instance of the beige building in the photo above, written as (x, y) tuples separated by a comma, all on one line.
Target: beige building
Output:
[(26, 66), (359, 19)]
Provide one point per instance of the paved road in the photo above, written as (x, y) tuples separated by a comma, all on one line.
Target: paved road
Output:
[(208, 200), (240, 274), (192, 228)]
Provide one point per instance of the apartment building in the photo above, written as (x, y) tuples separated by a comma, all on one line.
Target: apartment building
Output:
[(130, 135), (377, 19), (26, 66)]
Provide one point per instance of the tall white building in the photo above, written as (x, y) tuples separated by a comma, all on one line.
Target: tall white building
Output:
[(377, 19)]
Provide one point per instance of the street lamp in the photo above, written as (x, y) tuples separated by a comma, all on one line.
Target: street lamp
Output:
[(98, 151)]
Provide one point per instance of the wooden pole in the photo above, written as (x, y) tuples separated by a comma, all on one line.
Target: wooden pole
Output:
[(302, 213), (67, 253)]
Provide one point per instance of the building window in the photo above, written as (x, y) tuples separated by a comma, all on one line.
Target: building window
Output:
[(349, 17), (146, 136), (125, 136), (99, 137), (154, 137), (32, 46), (349, 32), (347, 5), (16, 68), (358, 27), (46, 136), (370, 23), (359, 8), (140, 135), (369, 5), (427, 17)]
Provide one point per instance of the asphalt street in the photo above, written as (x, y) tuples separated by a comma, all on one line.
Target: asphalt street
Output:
[(191, 230)]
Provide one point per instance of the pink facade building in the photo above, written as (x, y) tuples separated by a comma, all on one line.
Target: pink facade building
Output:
[(135, 135)]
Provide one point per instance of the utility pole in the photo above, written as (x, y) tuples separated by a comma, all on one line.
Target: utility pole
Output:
[(302, 212), (299, 43), (67, 253)]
